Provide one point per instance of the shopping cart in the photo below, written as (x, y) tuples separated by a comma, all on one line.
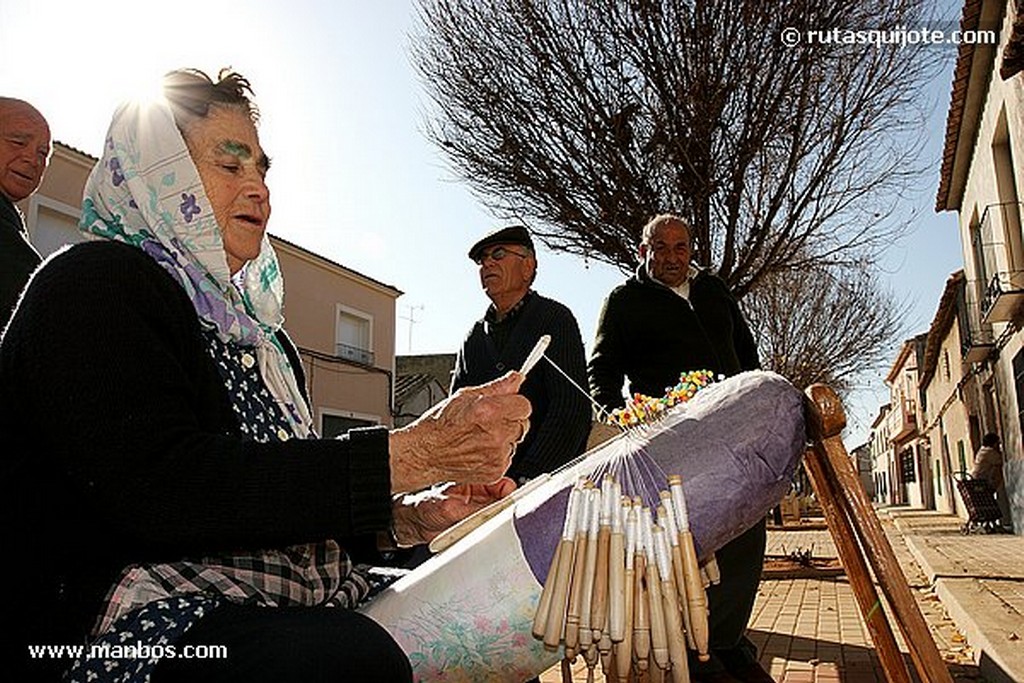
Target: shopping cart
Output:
[(980, 500)]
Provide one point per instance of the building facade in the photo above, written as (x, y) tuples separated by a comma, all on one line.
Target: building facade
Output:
[(881, 456), (423, 381), (909, 464), (344, 325), (951, 419), (982, 181)]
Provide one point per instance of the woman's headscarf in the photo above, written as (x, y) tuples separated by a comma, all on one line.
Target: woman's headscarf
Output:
[(146, 192)]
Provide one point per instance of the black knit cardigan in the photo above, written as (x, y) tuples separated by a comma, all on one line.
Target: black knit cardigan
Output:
[(121, 447)]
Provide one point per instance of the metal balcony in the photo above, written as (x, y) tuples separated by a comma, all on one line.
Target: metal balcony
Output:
[(976, 338), (354, 354), (1003, 297), (975, 351)]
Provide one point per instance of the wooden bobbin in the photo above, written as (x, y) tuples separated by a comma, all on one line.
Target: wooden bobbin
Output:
[(575, 606)]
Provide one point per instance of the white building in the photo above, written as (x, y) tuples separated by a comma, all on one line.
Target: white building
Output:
[(981, 180)]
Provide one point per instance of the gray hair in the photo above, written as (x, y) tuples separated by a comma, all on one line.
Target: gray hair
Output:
[(660, 220)]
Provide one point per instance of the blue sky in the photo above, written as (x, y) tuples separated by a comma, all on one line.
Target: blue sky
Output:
[(354, 178)]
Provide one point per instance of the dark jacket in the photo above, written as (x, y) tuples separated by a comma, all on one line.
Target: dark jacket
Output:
[(17, 258), (121, 447), (560, 421), (648, 334)]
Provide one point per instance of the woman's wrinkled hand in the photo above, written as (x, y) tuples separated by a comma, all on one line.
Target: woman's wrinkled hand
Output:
[(420, 521), (467, 438)]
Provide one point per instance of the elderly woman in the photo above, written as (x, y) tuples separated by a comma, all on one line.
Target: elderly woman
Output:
[(163, 485)]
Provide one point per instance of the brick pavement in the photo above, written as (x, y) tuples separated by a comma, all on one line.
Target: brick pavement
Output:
[(809, 630)]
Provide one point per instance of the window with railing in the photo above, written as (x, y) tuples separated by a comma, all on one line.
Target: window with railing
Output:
[(1018, 383), (976, 338), (999, 263), (353, 336)]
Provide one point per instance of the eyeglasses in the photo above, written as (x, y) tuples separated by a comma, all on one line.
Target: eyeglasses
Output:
[(497, 254)]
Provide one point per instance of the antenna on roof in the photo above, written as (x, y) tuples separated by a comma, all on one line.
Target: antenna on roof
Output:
[(412, 321)]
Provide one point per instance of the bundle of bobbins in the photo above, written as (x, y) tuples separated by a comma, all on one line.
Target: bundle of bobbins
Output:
[(625, 588)]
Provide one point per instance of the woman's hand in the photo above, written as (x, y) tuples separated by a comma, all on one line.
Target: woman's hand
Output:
[(467, 438), (420, 522)]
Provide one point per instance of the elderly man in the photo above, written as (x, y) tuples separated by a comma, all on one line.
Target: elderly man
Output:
[(24, 153), (669, 318), (502, 339)]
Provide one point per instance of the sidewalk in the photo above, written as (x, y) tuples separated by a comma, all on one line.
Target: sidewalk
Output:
[(980, 581), (970, 590)]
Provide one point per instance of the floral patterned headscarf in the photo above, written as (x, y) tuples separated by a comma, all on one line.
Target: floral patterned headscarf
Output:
[(146, 192)]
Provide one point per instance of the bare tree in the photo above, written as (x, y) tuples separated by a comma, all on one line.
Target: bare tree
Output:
[(790, 158), (828, 325), (583, 118)]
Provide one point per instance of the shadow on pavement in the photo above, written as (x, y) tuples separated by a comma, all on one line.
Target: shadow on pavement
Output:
[(842, 662)]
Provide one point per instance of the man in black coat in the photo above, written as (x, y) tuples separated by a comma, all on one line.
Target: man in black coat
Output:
[(670, 318), (24, 153), (504, 337)]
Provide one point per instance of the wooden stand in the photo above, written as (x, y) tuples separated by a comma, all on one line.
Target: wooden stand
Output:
[(857, 532)]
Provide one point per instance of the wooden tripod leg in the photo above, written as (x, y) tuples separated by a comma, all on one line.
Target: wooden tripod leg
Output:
[(857, 571), (829, 420)]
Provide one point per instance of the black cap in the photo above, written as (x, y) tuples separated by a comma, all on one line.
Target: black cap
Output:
[(515, 234)]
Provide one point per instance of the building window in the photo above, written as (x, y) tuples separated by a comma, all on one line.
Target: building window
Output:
[(336, 425), (907, 464), (53, 225), (979, 252), (938, 476), (945, 363), (353, 336), (961, 456), (1018, 383), (1008, 232)]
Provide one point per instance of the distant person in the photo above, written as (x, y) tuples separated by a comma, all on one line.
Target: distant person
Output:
[(672, 317), (500, 341), (988, 465), (24, 153)]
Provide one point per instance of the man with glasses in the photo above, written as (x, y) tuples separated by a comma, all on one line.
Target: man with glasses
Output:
[(669, 318), (502, 339)]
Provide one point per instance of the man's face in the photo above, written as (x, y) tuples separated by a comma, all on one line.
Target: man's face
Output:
[(24, 150), (506, 270), (666, 255)]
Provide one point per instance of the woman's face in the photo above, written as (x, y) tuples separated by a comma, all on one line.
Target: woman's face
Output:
[(226, 151)]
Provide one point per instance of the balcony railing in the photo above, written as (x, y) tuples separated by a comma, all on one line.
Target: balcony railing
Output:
[(998, 255), (354, 354), (1003, 296), (907, 421), (976, 338)]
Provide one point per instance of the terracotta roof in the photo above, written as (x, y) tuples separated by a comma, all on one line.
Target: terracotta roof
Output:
[(912, 345), (1013, 54), (943, 320), (409, 385), (883, 410), (440, 366), (969, 21), (58, 143)]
